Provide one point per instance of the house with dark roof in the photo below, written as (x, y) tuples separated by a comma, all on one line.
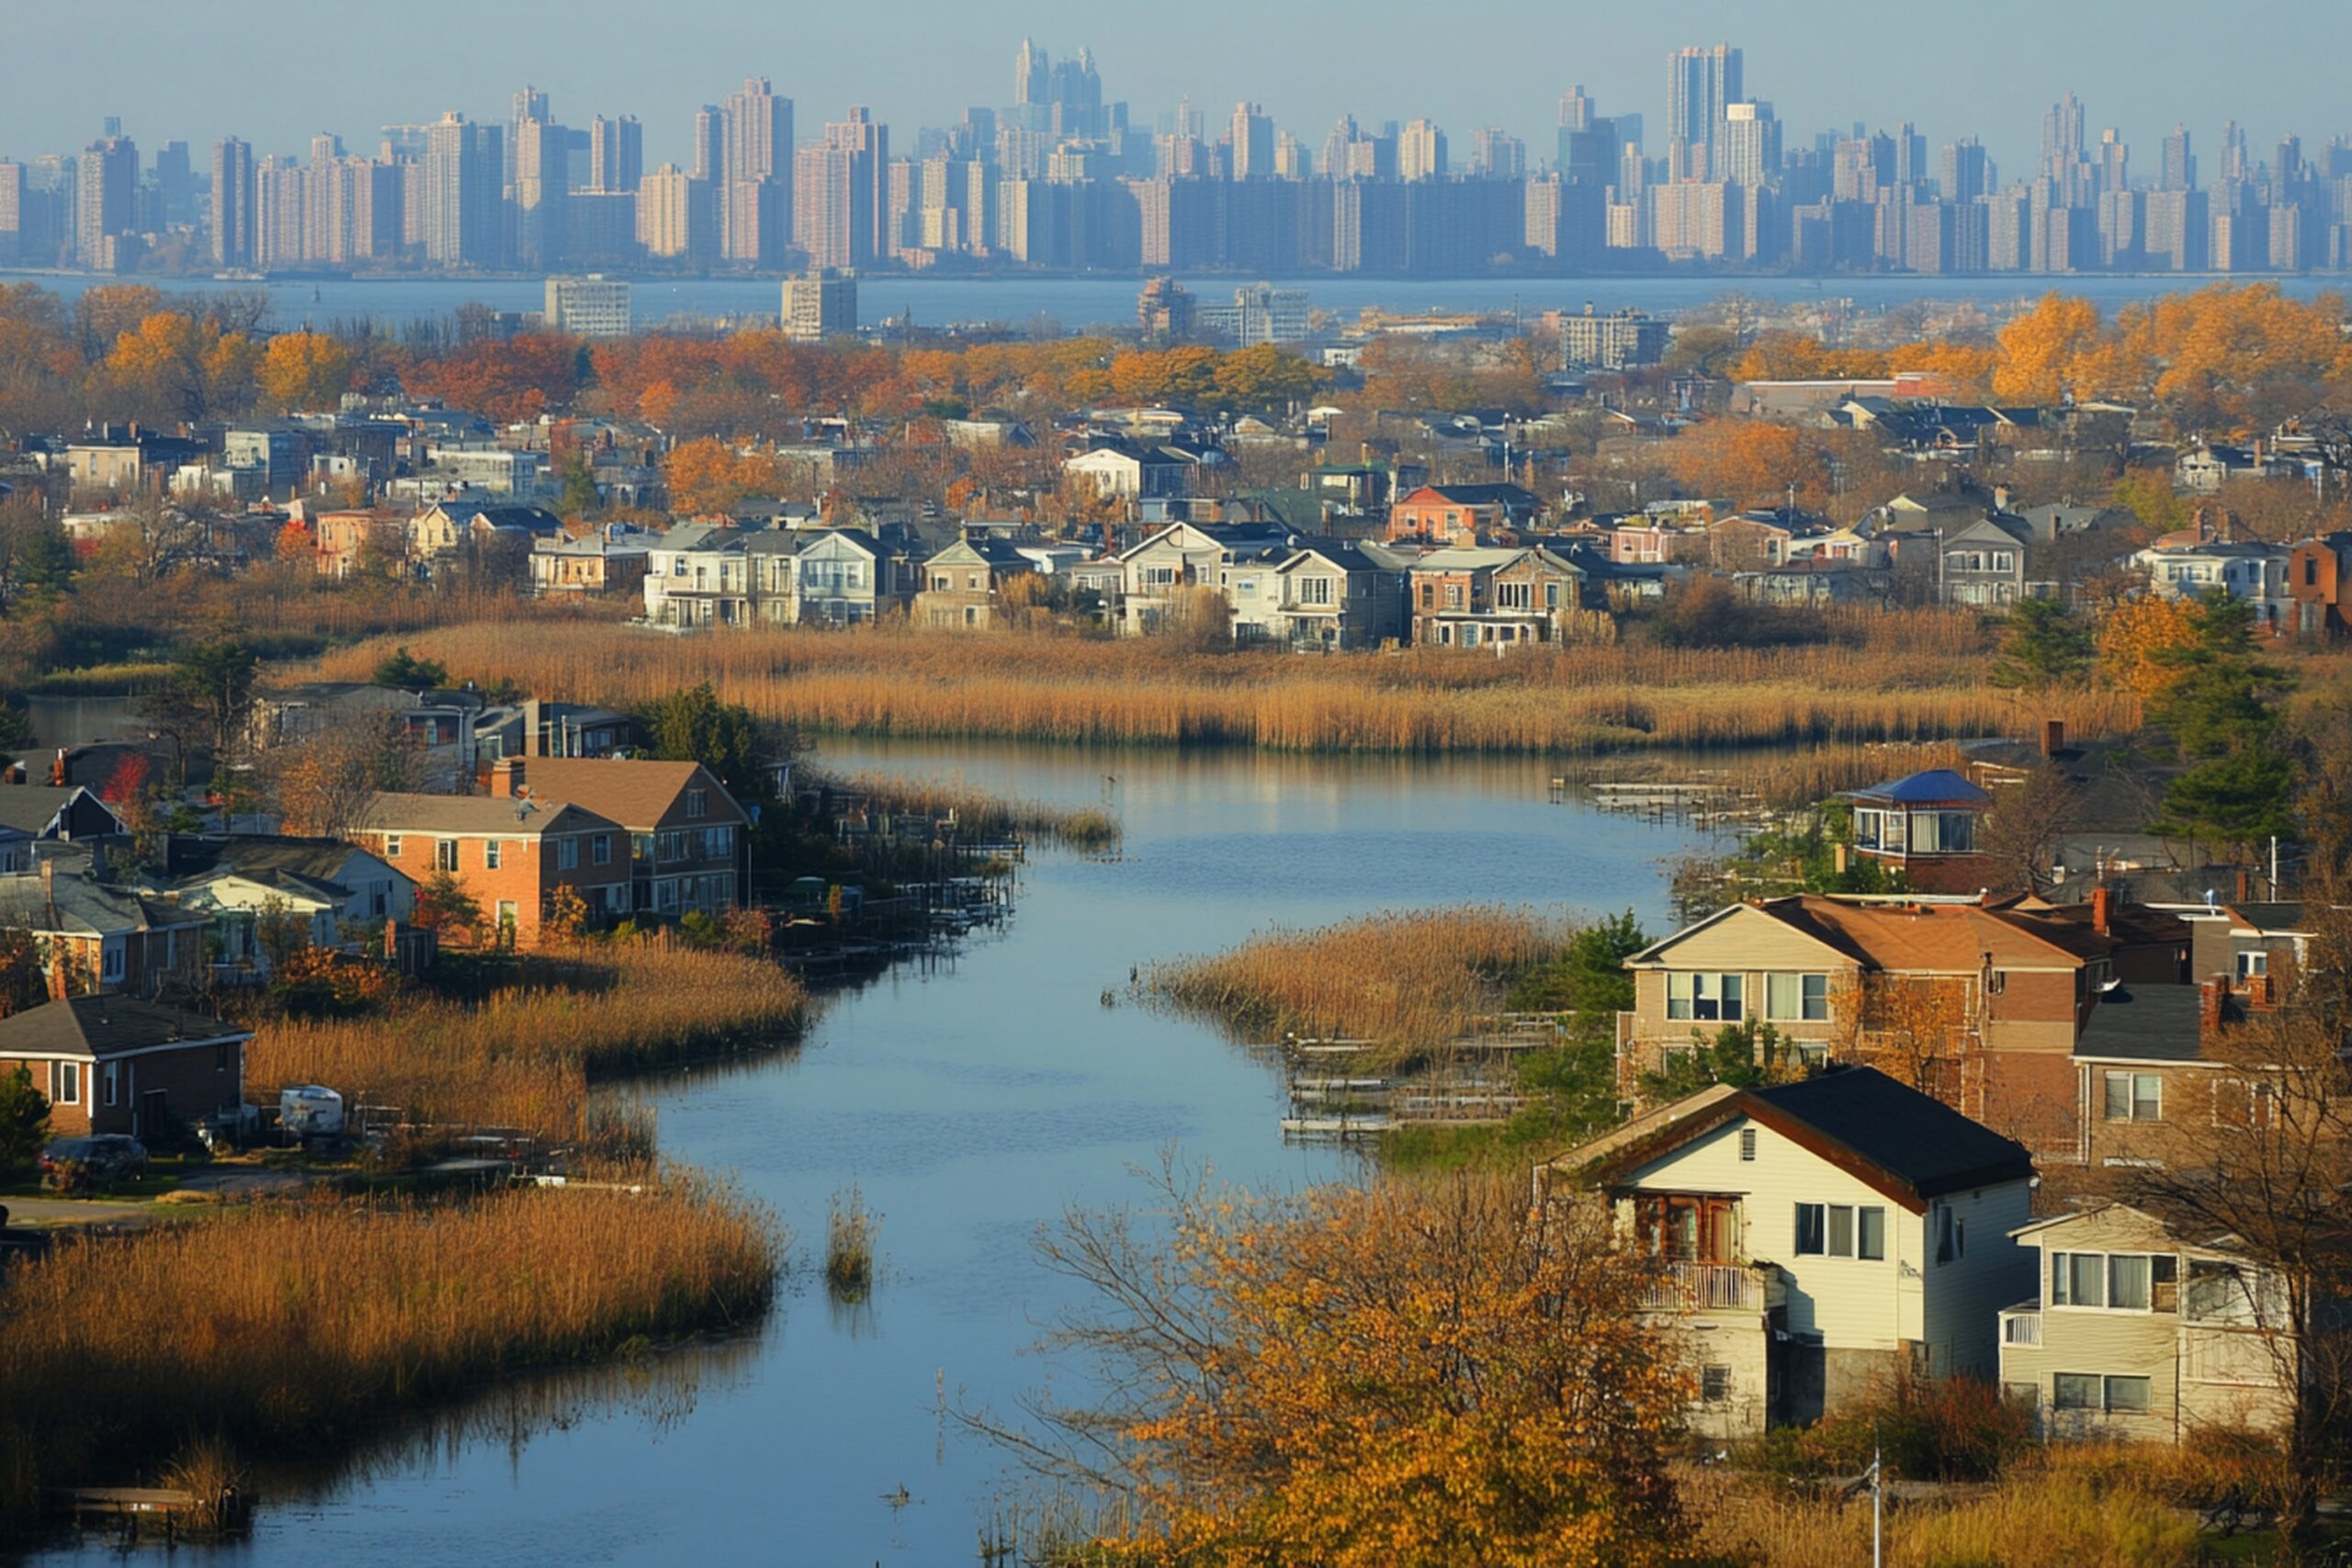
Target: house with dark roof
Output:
[(960, 583), (1925, 824), (94, 934), (1335, 594), (1462, 514), (49, 811), (515, 857), (344, 897), (1815, 1237), (109, 1064)]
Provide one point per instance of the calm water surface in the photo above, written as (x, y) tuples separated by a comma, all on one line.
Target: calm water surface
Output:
[(972, 1104)]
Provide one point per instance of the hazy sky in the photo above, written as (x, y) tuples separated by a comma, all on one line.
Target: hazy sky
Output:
[(276, 72)]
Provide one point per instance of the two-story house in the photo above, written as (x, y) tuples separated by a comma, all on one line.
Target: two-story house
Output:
[(2253, 572), (94, 934), (1815, 1240), (437, 727), (1335, 596), (1983, 1006), (510, 855), (2139, 1329), (688, 838), (608, 563), (1160, 569), (1985, 562), (695, 575), (845, 577), (960, 583), (344, 897), (1462, 514), (1479, 596)]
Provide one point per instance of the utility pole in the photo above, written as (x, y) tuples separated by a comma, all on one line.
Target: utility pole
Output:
[(1878, 1508)]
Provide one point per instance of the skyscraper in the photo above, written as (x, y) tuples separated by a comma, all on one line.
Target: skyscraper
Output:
[(2180, 164), (1253, 142), (1030, 71), (709, 162), (1699, 82), (232, 203), (842, 194), (465, 210), (528, 104), (755, 224), (616, 154), (1421, 151), (1965, 173), (541, 184), (104, 197), (1749, 151)]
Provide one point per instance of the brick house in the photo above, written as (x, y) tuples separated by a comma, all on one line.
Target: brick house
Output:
[(113, 1065), (1461, 515), (2318, 573), (688, 838), (1985, 1005), (93, 934), (509, 854)]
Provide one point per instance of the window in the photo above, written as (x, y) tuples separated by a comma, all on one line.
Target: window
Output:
[(1453, 596), (1314, 591), (2252, 963), (1870, 1238), (2237, 1103), (1796, 997), (1951, 1236), (68, 1083), (2074, 1390), (718, 843), (640, 846), (600, 849), (2136, 1097), (445, 854), (1704, 995), (1812, 1230), (110, 965), (1551, 595), (1714, 1384), (490, 854), (2127, 1282), (1515, 595), (698, 802), (1841, 1230), (1942, 832), (2127, 1395), (391, 846), (506, 916), (567, 854), (1748, 1143), (110, 1081), (2078, 1279)]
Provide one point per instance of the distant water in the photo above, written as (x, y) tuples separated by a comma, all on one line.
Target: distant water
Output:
[(1077, 303)]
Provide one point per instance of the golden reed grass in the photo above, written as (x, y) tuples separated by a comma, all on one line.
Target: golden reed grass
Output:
[(523, 1058), (1912, 676), (279, 1328), (1404, 979)]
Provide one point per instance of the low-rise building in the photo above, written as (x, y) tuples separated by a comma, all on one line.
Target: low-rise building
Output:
[(510, 856), (688, 838), (607, 563), (1462, 514), (115, 1065), (1815, 1240), (961, 583), (1487, 596), (342, 897), (1336, 595)]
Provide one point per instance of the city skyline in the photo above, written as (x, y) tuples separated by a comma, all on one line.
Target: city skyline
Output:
[(1990, 80)]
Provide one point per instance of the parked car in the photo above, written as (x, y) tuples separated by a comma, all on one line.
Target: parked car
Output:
[(76, 1164)]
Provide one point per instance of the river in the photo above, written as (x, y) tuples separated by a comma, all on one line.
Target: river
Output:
[(971, 1103), (1079, 302)]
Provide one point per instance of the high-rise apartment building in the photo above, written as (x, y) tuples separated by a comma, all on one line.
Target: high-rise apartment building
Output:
[(2181, 162), (1699, 82), (616, 154), (593, 306), (542, 183), (13, 194), (1421, 151), (674, 216), (465, 210), (1963, 171), (1253, 142), (175, 185), (232, 203), (842, 192), (1749, 150), (755, 224), (106, 194), (1496, 154)]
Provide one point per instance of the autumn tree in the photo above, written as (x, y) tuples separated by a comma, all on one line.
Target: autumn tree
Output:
[(182, 366), (1748, 462), (322, 783), (2040, 349), (304, 370), (2135, 640), (1358, 1377), (444, 908)]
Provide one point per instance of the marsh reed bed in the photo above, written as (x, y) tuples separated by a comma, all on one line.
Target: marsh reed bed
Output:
[(1888, 676), (281, 1329), (523, 1057), (983, 817), (1401, 981)]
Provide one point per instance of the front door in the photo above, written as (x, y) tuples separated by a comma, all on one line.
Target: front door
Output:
[(154, 1114)]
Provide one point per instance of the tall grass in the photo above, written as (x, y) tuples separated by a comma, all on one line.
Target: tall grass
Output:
[(523, 1057), (274, 1330), (981, 816), (849, 1246), (1914, 676), (1402, 979)]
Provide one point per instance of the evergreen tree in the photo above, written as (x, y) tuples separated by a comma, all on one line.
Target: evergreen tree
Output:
[(2221, 715), (2043, 647)]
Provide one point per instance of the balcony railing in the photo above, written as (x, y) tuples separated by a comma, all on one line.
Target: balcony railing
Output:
[(2022, 1325), (1704, 1287)]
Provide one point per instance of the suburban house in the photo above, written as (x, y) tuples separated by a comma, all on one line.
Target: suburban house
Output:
[(113, 1065), (696, 575), (609, 562), (960, 583), (344, 897), (1982, 1006), (343, 542), (65, 812), (453, 526), (1189, 555), (687, 837), (1131, 472), (2319, 577), (534, 727), (1816, 1239), (1487, 596), (1985, 562), (437, 725), (845, 577), (510, 855), (1461, 515), (1339, 596), (2256, 573), (2138, 1330), (94, 935), (1925, 825)]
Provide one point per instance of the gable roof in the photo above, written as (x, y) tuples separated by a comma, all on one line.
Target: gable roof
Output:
[(107, 1026), (637, 794), (32, 808), (1909, 1146), (478, 813)]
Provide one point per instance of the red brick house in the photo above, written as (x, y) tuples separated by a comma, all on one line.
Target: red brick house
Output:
[(686, 833), (1461, 515), (509, 854), (112, 1065)]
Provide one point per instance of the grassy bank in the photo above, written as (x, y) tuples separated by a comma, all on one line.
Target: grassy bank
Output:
[(1790, 780), (982, 817), (276, 1330), (1401, 981), (522, 1059), (1917, 675)]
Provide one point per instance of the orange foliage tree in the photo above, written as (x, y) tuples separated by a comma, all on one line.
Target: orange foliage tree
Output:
[(304, 370), (1403, 1374), (708, 474), (506, 381), (2138, 639), (1750, 462)]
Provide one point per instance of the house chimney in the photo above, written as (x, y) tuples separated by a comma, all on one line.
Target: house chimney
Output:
[(506, 778), (2102, 909), (2053, 736), (2208, 1004), (2000, 498), (1840, 852), (57, 769)]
